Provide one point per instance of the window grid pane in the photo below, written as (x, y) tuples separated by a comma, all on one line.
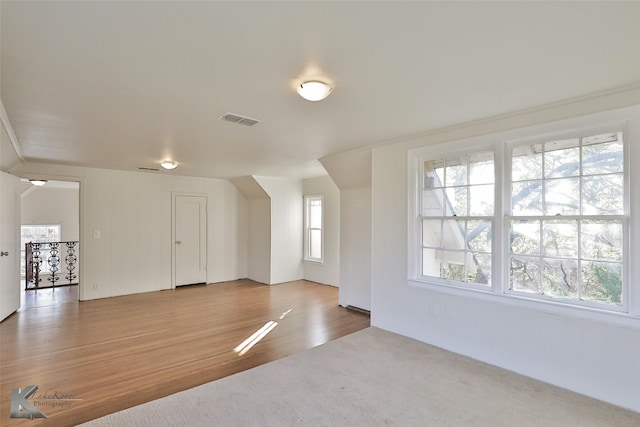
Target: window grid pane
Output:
[(457, 204), (566, 229), (315, 243), (313, 226), (580, 259)]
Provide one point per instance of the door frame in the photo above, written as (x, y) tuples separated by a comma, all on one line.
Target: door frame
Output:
[(81, 226), (174, 196)]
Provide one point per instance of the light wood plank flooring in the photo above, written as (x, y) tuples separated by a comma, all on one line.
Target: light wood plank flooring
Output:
[(115, 353), (51, 296)]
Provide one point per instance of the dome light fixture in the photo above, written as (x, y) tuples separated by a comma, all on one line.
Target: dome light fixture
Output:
[(314, 90), (38, 182), (169, 164)]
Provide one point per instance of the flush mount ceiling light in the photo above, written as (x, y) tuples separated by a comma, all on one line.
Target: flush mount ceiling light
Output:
[(38, 182), (169, 164), (314, 90)]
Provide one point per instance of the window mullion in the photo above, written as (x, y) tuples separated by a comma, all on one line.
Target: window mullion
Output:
[(579, 283), (579, 272), (441, 248), (541, 256), (500, 221)]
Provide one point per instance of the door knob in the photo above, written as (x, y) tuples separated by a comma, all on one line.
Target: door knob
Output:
[(4, 253), (178, 242)]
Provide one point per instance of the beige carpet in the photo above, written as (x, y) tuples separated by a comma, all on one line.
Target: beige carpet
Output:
[(374, 378)]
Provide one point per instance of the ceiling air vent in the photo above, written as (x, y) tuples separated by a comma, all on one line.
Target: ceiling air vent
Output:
[(148, 169), (238, 119)]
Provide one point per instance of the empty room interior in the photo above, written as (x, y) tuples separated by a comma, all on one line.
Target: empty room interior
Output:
[(219, 194)]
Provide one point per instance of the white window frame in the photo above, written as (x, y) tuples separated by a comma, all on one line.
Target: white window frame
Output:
[(307, 230), (624, 307), (420, 178), (502, 144)]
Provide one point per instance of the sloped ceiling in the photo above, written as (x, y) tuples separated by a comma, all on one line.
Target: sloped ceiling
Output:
[(124, 85)]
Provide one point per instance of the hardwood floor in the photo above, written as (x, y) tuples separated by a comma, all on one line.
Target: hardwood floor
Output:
[(111, 354), (51, 296)]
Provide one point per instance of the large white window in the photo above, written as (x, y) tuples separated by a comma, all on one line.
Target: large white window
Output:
[(543, 219), (313, 224), (567, 222)]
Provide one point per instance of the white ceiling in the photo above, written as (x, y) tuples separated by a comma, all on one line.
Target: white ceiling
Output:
[(124, 85)]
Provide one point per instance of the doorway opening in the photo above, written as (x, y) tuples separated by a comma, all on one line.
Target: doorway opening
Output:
[(50, 238)]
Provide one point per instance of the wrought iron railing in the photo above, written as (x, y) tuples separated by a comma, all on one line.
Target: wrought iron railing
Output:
[(54, 261)]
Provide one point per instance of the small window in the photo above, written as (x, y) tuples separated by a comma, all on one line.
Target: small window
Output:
[(313, 224)]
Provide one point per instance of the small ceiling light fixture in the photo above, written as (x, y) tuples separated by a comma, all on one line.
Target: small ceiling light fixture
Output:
[(169, 164), (38, 182), (314, 90)]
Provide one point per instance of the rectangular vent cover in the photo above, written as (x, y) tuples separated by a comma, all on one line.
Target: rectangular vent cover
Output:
[(148, 169), (238, 119)]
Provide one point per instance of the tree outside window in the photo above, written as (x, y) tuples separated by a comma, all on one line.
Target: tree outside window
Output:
[(562, 225), (567, 224)]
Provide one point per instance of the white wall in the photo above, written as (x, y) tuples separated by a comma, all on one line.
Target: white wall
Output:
[(286, 227), (45, 205), (258, 238), (8, 156), (132, 211), (593, 354), (355, 245), (259, 267), (329, 271), (351, 172)]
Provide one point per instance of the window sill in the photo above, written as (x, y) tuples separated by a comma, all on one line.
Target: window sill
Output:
[(314, 261), (550, 307)]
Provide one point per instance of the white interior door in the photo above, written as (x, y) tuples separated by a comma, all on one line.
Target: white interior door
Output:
[(190, 244), (9, 244)]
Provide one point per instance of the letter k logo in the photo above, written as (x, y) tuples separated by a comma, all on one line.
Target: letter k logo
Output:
[(21, 407)]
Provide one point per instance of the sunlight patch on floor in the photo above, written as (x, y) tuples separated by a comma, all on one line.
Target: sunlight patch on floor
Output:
[(255, 338)]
